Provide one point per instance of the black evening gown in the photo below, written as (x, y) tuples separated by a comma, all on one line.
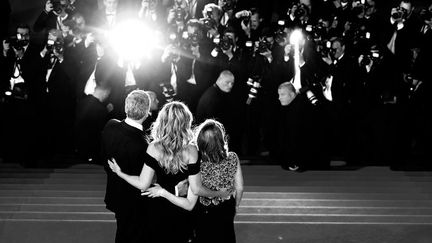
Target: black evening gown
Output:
[(168, 222)]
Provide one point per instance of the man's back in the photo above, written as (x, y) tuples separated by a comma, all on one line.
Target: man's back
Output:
[(128, 146)]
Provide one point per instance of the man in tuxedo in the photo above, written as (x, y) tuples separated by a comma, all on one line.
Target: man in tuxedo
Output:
[(107, 17), (125, 141), (60, 85), (53, 15), (91, 116), (20, 93), (340, 87), (193, 72)]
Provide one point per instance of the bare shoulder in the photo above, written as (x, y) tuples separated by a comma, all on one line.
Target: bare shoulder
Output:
[(190, 154), (154, 150)]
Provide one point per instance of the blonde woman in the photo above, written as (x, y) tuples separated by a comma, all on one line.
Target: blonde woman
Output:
[(172, 158)]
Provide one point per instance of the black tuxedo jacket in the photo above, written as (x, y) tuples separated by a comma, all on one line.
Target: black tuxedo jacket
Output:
[(190, 93), (128, 146), (31, 68)]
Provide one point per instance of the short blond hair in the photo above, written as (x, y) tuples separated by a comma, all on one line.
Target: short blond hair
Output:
[(137, 104)]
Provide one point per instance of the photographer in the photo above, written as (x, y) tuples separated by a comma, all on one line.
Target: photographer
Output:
[(213, 12), (339, 90), (196, 8), (425, 54), (60, 77), (419, 86), (251, 24), (21, 65), (228, 9), (298, 15), (178, 11), (21, 90), (53, 15), (193, 70), (401, 33), (233, 58), (149, 12)]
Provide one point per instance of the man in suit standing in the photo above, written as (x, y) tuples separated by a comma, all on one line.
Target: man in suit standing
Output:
[(107, 17), (124, 141), (20, 94)]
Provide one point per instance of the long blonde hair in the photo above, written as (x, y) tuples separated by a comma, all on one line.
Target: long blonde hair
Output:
[(172, 131)]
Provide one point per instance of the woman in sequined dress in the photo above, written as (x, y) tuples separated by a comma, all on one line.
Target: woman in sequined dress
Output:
[(219, 169)]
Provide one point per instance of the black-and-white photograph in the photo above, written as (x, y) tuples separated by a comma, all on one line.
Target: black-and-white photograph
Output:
[(216, 121)]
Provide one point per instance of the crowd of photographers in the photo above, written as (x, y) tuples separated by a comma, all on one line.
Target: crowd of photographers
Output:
[(353, 86)]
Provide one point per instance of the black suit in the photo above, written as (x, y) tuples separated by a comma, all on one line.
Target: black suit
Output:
[(91, 117), (298, 140), (190, 93), (19, 139), (61, 103), (128, 146)]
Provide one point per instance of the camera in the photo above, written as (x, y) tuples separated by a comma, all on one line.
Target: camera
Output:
[(18, 42), (56, 46), (301, 11), (324, 47), (209, 23), (316, 32), (399, 14), (372, 55), (168, 91), (226, 43), (193, 39), (255, 85), (262, 46), (279, 34), (223, 44)]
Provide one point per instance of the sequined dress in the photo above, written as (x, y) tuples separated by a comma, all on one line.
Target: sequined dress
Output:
[(215, 216)]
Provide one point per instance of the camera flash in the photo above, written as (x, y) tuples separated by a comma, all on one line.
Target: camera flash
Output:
[(281, 22), (248, 44), (328, 44), (309, 28), (375, 54), (50, 42), (185, 35), (367, 35), (214, 53)]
